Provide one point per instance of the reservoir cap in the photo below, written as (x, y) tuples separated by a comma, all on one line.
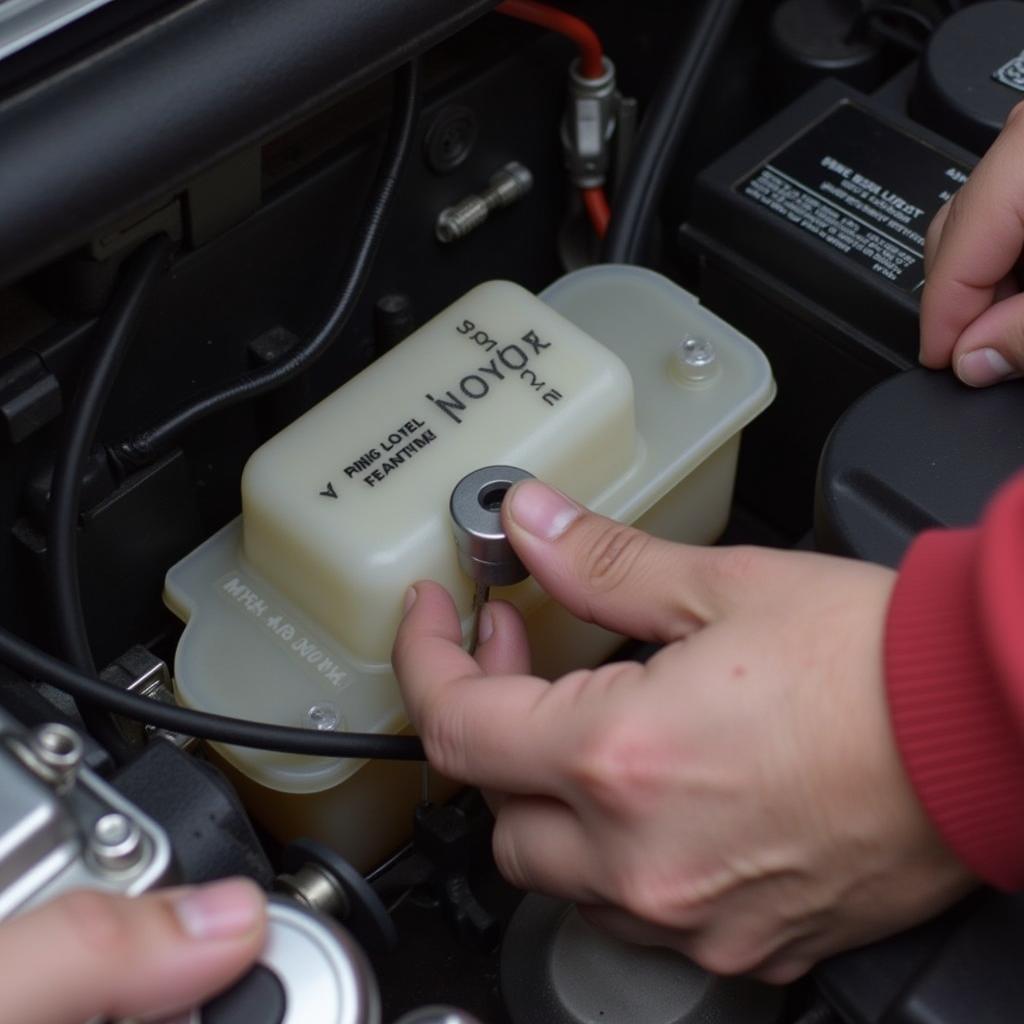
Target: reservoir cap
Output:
[(485, 554)]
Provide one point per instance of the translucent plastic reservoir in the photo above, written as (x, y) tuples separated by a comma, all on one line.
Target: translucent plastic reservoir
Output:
[(615, 385)]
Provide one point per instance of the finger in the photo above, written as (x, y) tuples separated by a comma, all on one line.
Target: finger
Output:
[(496, 732), (502, 647), (933, 236), (614, 575), (502, 644), (788, 964), (981, 241), (539, 845), (740, 937), (992, 348), (429, 637), (154, 955), (627, 928), (726, 959)]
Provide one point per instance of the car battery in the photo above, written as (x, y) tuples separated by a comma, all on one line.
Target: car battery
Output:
[(809, 237)]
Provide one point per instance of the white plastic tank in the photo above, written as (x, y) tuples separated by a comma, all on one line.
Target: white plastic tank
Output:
[(614, 385)]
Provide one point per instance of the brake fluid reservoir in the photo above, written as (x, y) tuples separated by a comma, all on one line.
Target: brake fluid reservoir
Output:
[(614, 385)]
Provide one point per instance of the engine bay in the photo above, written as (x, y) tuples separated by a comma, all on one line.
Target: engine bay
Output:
[(276, 279)]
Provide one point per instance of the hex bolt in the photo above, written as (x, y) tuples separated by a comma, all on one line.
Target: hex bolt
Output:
[(506, 186), (59, 749), (116, 842), (694, 360)]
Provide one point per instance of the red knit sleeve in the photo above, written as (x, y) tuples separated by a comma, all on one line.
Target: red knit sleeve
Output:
[(954, 659)]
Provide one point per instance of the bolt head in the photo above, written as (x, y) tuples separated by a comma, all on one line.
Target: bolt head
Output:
[(59, 747), (116, 842)]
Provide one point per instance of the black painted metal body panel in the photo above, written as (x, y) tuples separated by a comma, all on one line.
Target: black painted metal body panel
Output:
[(137, 119)]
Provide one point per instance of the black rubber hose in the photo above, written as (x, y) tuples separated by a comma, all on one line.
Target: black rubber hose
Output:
[(149, 444), (33, 663), (663, 131), (114, 333)]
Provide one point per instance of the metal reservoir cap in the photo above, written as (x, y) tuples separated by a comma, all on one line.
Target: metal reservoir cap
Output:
[(485, 554)]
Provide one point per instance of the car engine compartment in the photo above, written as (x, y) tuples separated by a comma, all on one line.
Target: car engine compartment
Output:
[(712, 216)]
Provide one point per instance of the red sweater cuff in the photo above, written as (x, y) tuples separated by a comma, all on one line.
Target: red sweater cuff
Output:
[(956, 732)]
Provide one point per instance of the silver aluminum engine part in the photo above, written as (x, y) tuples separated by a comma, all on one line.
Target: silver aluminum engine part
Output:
[(64, 828), (323, 972)]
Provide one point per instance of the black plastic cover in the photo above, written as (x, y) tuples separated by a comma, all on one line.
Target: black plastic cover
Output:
[(832, 199), (921, 450), (961, 968), (141, 117), (210, 833), (259, 998), (558, 969), (972, 73)]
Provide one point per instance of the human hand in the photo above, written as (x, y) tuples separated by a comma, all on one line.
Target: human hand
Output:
[(738, 798), (90, 954), (972, 312)]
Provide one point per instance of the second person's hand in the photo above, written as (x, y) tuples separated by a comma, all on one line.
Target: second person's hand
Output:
[(89, 954), (972, 311)]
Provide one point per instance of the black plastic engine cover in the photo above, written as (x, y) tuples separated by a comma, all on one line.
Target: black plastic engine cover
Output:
[(921, 450)]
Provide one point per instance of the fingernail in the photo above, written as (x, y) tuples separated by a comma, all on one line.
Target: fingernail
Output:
[(485, 627), (541, 510), (221, 910), (982, 367), (410, 599)]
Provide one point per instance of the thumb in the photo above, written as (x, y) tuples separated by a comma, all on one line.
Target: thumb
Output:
[(614, 575), (992, 348), (90, 954)]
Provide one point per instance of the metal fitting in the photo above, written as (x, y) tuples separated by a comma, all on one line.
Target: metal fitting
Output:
[(52, 752), (506, 186), (589, 125), (116, 843), (315, 889), (60, 749), (141, 672)]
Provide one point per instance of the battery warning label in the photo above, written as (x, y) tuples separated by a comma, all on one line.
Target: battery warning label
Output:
[(863, 188)]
